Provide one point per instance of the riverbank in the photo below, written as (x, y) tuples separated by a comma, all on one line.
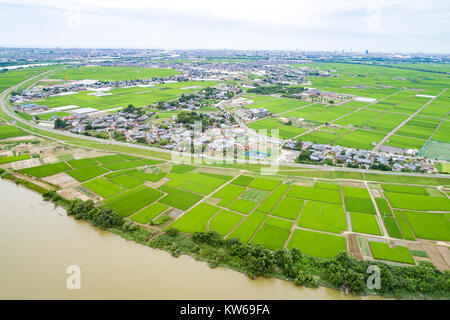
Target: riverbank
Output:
[(39, 242), (342, 271)]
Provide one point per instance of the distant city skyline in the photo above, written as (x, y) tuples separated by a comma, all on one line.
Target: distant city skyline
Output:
[(408, 26)]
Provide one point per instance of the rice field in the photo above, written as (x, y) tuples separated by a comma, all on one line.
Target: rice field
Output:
[(7, 131), (382, 251), (128, 202), (317, 244)]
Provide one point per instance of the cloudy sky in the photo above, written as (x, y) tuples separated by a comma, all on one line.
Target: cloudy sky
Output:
[(377, 25)]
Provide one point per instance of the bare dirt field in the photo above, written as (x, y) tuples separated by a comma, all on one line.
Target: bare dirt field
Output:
[(436, 257), (62, 179), (24, 164), (353, 246), (156, 184), (73, 194)]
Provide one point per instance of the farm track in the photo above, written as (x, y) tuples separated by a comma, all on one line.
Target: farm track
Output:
[(105, 143), (377, 147), (343, 116), (353, 246)]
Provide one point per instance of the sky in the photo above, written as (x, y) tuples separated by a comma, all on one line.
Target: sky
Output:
[(357, 25)]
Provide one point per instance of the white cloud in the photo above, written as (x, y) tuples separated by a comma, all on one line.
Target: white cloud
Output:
[(263, 23)]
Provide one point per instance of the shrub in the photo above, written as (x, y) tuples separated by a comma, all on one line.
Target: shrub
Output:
[(307, 280), (171, 231)]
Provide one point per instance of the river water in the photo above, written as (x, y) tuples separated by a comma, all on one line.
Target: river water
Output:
[(38, 242)]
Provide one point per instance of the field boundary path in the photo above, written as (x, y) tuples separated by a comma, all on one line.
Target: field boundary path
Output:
[(343, 116), (379, 217), (208, 196), (106, 143), (386, 137), (353, 246), (294, 226)]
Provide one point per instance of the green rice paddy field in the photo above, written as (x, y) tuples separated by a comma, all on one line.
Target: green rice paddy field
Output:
[(113, 73), (281, 211), (362, 125), (260, 209), (122, 97)]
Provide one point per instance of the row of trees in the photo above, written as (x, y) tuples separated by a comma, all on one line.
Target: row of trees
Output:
[(343, 271), (423, 280)]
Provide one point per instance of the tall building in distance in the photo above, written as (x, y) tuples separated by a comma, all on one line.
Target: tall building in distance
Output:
[(367, 51)]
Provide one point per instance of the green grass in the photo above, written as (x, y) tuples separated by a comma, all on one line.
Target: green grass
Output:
[(195, 187), (87, 173), (355, 192), (243, 206), (382, 251), (288, 208), (243, 180), (277, 222), (392, 228), (79, 163), (46, 169), (113, 73), (246, 229), (11, 132), (102, 187), (127, 181), (123, 165), (110, 158), (317, 244), (271, 237), (383, 207), (195, 219), (21, 157), (443, 167), (228, 194), (216, 175), (255, 195), (133, 200), (417, 202), (181, 168), (328, 186), (419, 253), (147, 214), (146, 176), (264, 184), (224, 221), (406, 179), (359, 205), (425, 225), (365, 223), (404, 228), (322, 216), (317, 194), (179, 198), (405, 189), (271, 201)]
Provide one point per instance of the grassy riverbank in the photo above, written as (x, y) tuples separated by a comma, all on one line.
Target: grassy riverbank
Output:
[(420, 282)]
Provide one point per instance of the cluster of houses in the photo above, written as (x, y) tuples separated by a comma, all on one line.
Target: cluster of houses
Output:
[(31, 108), (98, 87), (362, 158), (203, 98)]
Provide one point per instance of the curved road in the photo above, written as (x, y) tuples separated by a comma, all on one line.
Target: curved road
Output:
[(174, 154)]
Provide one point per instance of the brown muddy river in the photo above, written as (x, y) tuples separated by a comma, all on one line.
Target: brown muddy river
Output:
[(39, 242)]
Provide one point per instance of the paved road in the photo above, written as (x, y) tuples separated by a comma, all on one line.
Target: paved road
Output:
[(176, 156)]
